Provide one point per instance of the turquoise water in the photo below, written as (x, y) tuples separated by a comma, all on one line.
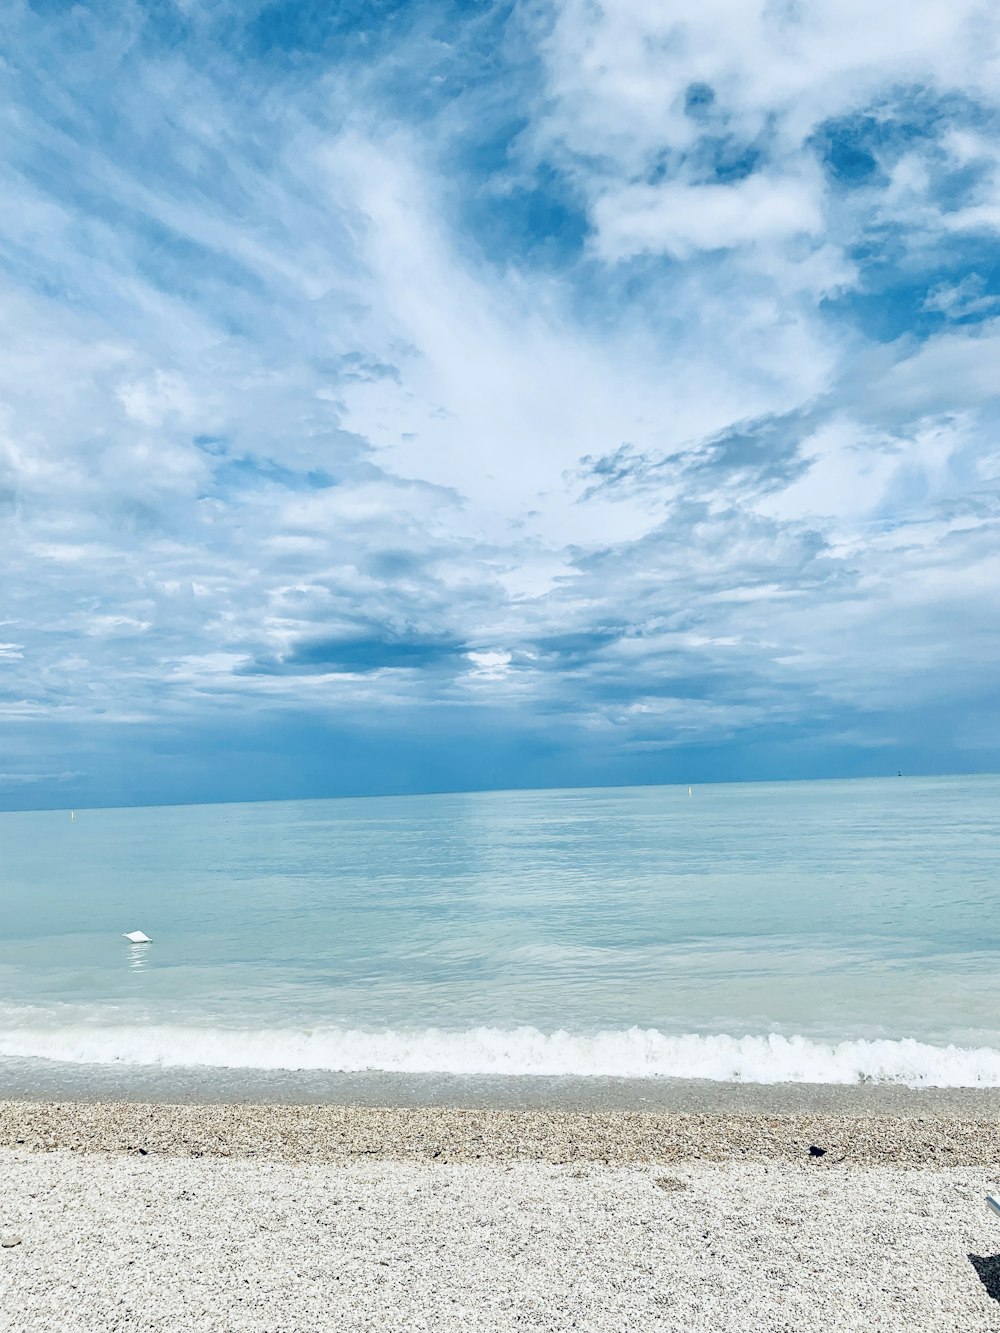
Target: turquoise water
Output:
[(823, 932)]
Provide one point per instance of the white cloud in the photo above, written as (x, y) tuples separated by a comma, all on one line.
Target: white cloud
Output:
[(618, 74), (267, 388), (680, 220)]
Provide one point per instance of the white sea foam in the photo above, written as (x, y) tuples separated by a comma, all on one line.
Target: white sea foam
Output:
[(631, 1053)]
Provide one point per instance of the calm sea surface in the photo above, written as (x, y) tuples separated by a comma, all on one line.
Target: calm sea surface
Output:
[(819, 932)]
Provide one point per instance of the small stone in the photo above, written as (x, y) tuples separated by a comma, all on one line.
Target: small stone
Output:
[(8, 1240), (816, 1152), (669, 1183)]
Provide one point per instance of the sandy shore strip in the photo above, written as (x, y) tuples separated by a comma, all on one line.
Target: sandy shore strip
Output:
[(115, 1241), (617, 1138)]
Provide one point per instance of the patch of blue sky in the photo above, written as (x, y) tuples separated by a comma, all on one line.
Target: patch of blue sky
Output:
[(215, 445), (317, 31), (239, 473), (855, 149), (242, 471), (907, 294), (715, 159), (364, 653), (859, 149), (726, 159), (491, 149), (513, 209), (471, 76), (536, 223), (420, 56)]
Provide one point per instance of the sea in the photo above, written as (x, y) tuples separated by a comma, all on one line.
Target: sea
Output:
[(838, 933)]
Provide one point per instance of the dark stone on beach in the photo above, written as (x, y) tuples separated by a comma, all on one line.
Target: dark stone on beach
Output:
[(816, 1152)]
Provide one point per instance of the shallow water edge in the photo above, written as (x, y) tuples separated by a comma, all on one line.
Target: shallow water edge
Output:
[(30, 1080)]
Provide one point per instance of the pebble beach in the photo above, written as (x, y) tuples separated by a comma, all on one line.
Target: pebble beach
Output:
[(153, 1217)]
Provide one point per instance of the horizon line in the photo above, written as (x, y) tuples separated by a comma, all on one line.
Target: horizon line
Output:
[(501, 791)]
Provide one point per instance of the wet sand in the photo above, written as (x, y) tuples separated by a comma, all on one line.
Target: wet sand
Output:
[(55, 1081)]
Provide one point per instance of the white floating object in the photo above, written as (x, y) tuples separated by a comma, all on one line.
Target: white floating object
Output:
[(137, 937), (993, 1202)]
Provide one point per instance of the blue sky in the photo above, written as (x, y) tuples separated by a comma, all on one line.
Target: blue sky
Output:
[(416, 396)]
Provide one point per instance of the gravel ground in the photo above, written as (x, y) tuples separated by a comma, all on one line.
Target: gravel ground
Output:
[(111, 1241), (347, 1133)]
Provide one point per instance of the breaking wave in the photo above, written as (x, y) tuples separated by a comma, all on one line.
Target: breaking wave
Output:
[(628, 1053)]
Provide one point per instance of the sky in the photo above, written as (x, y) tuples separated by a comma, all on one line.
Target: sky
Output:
[(429, 396)]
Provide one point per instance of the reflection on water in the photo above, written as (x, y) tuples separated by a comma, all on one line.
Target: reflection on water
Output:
[(138, 957), (837, 911)]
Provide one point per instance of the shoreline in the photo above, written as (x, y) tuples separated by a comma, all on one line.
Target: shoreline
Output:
[(34, 1080), (340, 1134)]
